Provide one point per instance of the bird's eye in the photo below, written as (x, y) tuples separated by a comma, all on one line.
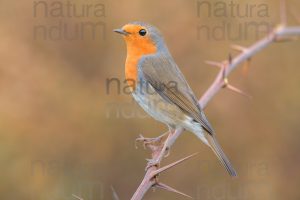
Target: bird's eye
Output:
[(142, 32)]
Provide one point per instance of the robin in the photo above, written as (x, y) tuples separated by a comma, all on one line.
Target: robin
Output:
[(160, 88)]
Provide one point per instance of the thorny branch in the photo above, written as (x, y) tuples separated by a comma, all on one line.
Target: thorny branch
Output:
[(279, 33)]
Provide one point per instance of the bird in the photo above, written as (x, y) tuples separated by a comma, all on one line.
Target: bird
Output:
[(159, 87)]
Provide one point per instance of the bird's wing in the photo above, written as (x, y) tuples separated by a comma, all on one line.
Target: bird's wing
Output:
[(162, 73)]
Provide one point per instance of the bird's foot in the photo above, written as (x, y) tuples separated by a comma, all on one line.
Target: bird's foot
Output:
[(158, 146), (152, 163), (155, 161), (151, 142)]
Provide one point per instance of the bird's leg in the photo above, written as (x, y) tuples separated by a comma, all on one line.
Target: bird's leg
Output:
[(160, 151), (151, 142)]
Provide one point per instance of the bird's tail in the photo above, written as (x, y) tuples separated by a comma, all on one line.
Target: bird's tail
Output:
[(213, 143)]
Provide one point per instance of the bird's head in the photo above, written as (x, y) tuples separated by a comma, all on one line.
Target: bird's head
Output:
[(142, 37)]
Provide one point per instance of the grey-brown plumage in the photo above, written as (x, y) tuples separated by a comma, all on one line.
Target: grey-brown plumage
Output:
[(181, 108)]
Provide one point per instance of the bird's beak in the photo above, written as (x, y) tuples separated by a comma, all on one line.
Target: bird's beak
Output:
[(121, 31)]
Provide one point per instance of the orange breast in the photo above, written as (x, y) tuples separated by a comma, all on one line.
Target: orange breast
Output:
[(131, 70), (136, 48)]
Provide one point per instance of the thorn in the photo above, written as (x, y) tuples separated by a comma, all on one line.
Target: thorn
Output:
[(283, 18), (229, 59), (162, 169), (238, 48), (273, 34), (226, 82), (77, 197), (225, 66), (213, 63), (170, 189), (234, 89), (115, 195)]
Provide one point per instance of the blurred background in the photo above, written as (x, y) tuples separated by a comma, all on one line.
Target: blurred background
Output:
[(64, 130)]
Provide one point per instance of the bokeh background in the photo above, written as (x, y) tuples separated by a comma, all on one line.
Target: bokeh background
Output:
[(63, 133)]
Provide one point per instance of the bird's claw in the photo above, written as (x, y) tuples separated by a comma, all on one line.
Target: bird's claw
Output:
[(152, 163), (167, 152), (141, 138), (148, 141)]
